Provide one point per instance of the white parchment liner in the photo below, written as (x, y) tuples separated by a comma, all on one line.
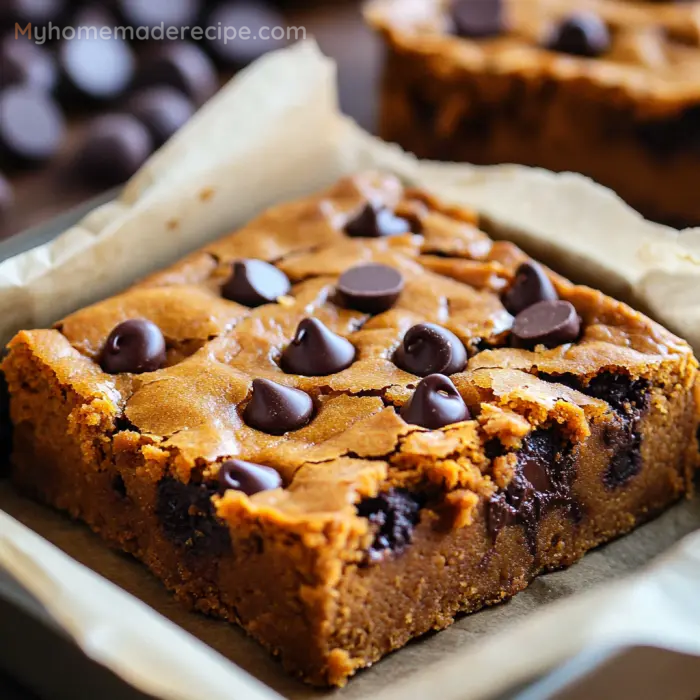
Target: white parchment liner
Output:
[(272, 134)]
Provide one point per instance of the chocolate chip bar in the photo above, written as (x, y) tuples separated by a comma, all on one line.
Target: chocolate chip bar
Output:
[(353, 419), (608, 88)]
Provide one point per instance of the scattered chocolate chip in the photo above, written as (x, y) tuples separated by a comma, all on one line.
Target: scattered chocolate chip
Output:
[(151, 13), (38, 12), (7, 195), (478, 19), (430, 349), (581, 34), (530, 286), (434, 404), (394, 514), (135, 346), (376, 221), (548, 323), (277, 409), (162, 109), (31, 125), (23, 62), (371, 288), (255, 282), (247, 477), (115, 147), (316, 351), (181, 65)]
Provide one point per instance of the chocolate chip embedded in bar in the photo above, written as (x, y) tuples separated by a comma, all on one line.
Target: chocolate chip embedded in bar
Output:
[(354, 397)]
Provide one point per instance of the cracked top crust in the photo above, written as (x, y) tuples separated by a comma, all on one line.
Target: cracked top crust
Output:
[(654, 51), (186, 418)]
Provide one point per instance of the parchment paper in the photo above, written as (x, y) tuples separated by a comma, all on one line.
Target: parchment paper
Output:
[(272, 134)]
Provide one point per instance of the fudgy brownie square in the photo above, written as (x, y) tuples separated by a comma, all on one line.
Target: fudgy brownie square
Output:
[(353, 419), (608, 88)]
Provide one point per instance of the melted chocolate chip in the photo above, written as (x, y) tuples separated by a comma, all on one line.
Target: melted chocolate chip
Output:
[(622, 392), (581, 34), (376, 221), (394, 514), (275, 409), (531, 285), (247, 477), (134, 346), (478, 19), (371, 288), (186, 514), (254, 283), (316, 351), (548, 323), (434, 404), (625, 441), (430, 349)]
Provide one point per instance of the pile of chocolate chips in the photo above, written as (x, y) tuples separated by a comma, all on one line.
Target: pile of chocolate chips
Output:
[(135, 69)]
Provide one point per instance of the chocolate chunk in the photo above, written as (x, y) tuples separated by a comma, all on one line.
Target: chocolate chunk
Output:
[(244, 31), (31, 125), (434, 404), (316, 351), (430, 349), (115, 147), (275, 409), (394, 514), (581, 34), (25, 63), (247, 477), (530, 286), (135, 346), (7, 196), (255, 282), (478, 19), (162, 109), (371, 288), (548, 323), (181, 65), (38, 12), (151, 13), (375, 221)]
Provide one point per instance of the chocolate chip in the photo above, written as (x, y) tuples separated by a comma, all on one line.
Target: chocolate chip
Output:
[(151, 13), (430, 349), (135, 346), (31, 125), (255, 282), (181, 65), (316, 351), (277, 409), (434, 404), (625, 440), (115, 147), (548, 323), (478, 19), (371, 288), (162, 109), (26, 63), (247, 477), (394, 514), (624, 394), (581, 34), (7, 195), (530, 286), (376, 221)]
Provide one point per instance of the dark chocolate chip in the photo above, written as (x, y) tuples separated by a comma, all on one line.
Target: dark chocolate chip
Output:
[(135, 346), (31, 125), (394, 514), (478, 19), (371, 288), (7, 195), (25, 63), (115, 147), (277, 409), (375, 221), (38, 12), (581, 34), (151, 13), (530, 286), (162, 109), (181, 65), (247, 477), (255, 282), (435, 403), (430, 349), (548, 323), (316, 351)]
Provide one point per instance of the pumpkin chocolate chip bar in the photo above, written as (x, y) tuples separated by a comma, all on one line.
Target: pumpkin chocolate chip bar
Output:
[(353, 419)]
